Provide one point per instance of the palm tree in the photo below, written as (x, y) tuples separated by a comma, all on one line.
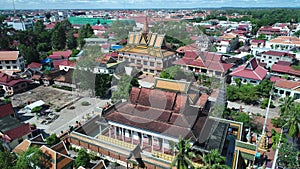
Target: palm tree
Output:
[(182, 159), (285, 104), (292, 118), (213, 160)]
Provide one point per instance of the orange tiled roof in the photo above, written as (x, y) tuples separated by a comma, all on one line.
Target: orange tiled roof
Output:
[(287, 84), (9, 55), (22, 147)]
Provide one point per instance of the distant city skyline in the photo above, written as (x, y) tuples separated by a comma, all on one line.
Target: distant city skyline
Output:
[(134, 4)]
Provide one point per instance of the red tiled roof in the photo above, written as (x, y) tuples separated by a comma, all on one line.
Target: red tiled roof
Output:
[(34, 65), (100, 28), (112, 54), (277, 53), (57, 63), (105, 46), (285, 69), (60, 54), (202, 100), (6, 110), (250, 70), (287, 84), (19, 131), (275, 78)]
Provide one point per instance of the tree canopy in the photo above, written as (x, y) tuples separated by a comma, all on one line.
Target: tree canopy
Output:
[(82, 159), (52, 140)]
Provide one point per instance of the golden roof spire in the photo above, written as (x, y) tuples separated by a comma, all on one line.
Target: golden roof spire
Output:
[(146, 27)]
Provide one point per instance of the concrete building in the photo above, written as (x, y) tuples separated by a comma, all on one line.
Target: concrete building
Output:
[(273, 57), (11, 61), (147, 51), (21, 25)]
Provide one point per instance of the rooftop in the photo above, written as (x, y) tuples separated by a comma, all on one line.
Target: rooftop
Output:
[(9, 55)]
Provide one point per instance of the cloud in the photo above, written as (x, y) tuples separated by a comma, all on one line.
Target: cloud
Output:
[(100, 4)]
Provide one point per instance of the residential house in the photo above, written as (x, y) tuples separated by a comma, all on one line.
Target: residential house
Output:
[(147, 51), (65, 65), (207, 63), (270, 31), (285, 88), (60, 55), (256, 43), (105, 48), (99, 29), (18, 24), (284, 43), (223, 46), (36, 141), (95, 41), (106, 65), (285, 69), (12, 131), (272, 57), (12, 84), (250, 72), (11, 61), (35, 66)]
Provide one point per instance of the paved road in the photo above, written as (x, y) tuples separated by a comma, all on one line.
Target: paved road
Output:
[(69, 117), (254, 110)]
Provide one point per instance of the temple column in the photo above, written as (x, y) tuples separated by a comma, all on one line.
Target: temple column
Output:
[(162, 146), (109, 134), (115, 131), (122, 132), (131, 136), (151, 143), (142, 136)]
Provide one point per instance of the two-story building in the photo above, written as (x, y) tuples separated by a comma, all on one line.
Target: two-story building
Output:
[(11, 61), (273, 57)]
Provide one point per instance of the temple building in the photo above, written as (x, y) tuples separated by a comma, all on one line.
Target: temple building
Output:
[(150, 123), (147, 51)]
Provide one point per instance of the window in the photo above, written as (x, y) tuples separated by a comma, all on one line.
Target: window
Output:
[(13, 62), (15, 67), (264, 56), (287, 93), (1, 67), (145, 70), (270, 61), (121, 58), (6, 62), (152, 64), (132, 60), (151, 71), (145, 62), (281, 91), (7, 67), (138, 61), (262, 60), (270, 57)]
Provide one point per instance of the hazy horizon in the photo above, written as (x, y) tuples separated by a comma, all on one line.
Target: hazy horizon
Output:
[(145, 4)]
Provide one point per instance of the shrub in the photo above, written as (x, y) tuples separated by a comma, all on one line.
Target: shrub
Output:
[(36, 109), (265, 103), (85, 103), (278, 123)]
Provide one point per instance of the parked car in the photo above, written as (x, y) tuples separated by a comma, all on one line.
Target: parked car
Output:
[(53, 116)]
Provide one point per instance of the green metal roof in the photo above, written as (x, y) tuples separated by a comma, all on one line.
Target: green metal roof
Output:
[(93, 21)]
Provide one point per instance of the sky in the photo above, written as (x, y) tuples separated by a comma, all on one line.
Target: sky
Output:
[(125, 4)]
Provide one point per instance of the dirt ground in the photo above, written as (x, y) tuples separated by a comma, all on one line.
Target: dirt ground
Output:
[(56, 98)]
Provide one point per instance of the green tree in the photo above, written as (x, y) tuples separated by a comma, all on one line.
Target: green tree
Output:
[(292, 118), (287, 156), (66, 25), (102, 84), (52, 140), (234, 44), (31, 158), (39, 27), (244, 118), (297, 33), (123, 88), (213, 160), (134, 82), (58, 37), (238, 82), (29, 53), (7, 159), (71, 40), (264, 88), (120, 29), (85, 31), (175, 72), (248, 94), (82, 159), (5, 39), (285, 105), (183, 157), (232, 93)]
